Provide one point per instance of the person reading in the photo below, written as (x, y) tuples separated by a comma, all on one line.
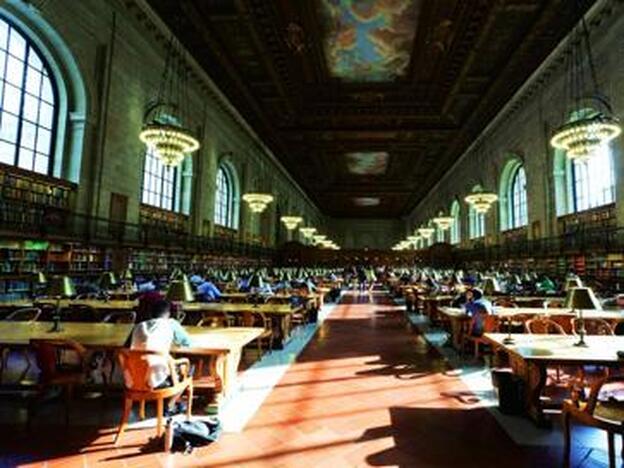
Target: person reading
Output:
[(159, 333)]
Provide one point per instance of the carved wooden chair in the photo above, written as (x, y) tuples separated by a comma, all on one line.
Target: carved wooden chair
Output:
[(606, 414), (28, 314), (137, 370)]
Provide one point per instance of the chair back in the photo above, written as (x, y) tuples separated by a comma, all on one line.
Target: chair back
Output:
[(137, 366), (50, 354), (593, 326), (28, 314), (255, 319), (502, 302), (215, 320), (120, 317), (543, 326), (565, 321), (80, 313)]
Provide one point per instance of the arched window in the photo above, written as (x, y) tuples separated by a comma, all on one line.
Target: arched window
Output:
[(456, 226), (517, 200), (583, 185), (160, 183), (476, 224), (225, 210), (439, 235), (593, 181), (28, 103)]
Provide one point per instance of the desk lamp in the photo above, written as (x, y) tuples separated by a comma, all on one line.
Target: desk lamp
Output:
[(60, 287), (573, 282), (491, 286), (39, 282), (579, 299), (178, 293), (107, 282), (255, 284)]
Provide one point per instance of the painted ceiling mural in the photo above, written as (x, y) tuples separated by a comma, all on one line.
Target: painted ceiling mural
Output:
[(367, 163), (366, 201), (369, 40)]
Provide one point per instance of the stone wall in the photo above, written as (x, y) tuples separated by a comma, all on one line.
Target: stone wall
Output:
[(522, 131), (111, 55)]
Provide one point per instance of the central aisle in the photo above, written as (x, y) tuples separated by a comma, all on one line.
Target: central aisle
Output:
[(367, 392)]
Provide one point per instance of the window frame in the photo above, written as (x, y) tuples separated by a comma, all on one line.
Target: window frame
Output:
[(31, 46), (585, 180), (220, 214), (161, 181), (518, 208)]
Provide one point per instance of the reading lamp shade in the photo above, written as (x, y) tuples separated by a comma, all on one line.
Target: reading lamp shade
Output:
[(126, 275), (582, 299), (108, 281), (490, 286), (40, 278), (61, 286), (256, 281), (180, 291), (574, 282)]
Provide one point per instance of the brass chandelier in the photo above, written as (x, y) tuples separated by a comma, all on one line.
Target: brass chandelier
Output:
[(481, 201), (257, 201), (593, 124), (291, 222), (443, 222), (165, 122)]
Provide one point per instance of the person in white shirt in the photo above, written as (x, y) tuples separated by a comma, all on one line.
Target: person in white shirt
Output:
[(159, 334)]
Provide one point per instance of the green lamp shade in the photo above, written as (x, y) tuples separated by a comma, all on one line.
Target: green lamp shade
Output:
[(108, 280), (256, 281), (40, 278), (491, 286), (574, 282), (582, 298), (61, 286), (180, 291), (126, 275)]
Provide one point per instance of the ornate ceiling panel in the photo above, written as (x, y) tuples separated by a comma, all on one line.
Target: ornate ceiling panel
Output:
[(412, 80)]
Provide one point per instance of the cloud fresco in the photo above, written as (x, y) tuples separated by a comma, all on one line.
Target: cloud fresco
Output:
[(369, 40)]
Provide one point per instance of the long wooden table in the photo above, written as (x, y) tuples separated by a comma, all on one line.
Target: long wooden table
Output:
[(457, 316), (280, 314), (225, 345), (531, 355)]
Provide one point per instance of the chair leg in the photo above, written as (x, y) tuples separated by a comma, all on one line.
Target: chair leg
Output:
[(566, 439), (611, 445), (189, 404), (124, 418), (142, 409), (69, 394), (159, 416), (24, 373)]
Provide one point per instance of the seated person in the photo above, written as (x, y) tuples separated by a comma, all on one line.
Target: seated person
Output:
[(475, 302), (207, 291), (480, 310), (243, 284), (159, 333), (546, 285)]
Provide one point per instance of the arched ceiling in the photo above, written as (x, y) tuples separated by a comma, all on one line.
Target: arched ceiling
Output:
[(368, 102)]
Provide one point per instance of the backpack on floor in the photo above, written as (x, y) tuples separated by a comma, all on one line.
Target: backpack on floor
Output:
[(184, 436)]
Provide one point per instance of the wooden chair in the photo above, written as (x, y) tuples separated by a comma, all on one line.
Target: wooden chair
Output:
[(605, 415), (28, 314), (136, 371), (258, 319), (120, 317), (56, 371), (215, 320), (491, 324), (564, 321), (80, 313), (593, 326), (543, 326), (504, 302)]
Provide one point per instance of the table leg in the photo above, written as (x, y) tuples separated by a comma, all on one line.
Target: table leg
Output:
[(536, 381)]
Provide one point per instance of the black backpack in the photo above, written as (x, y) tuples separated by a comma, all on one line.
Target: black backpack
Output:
[(190, 434)]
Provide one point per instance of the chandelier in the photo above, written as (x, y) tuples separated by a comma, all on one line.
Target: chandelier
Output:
[(481, 201), (581, 138), (257, 201), (307, 232), (165, 121), (426, 232), (593, 124), (443, 222), (291, 222), (319, 238)]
